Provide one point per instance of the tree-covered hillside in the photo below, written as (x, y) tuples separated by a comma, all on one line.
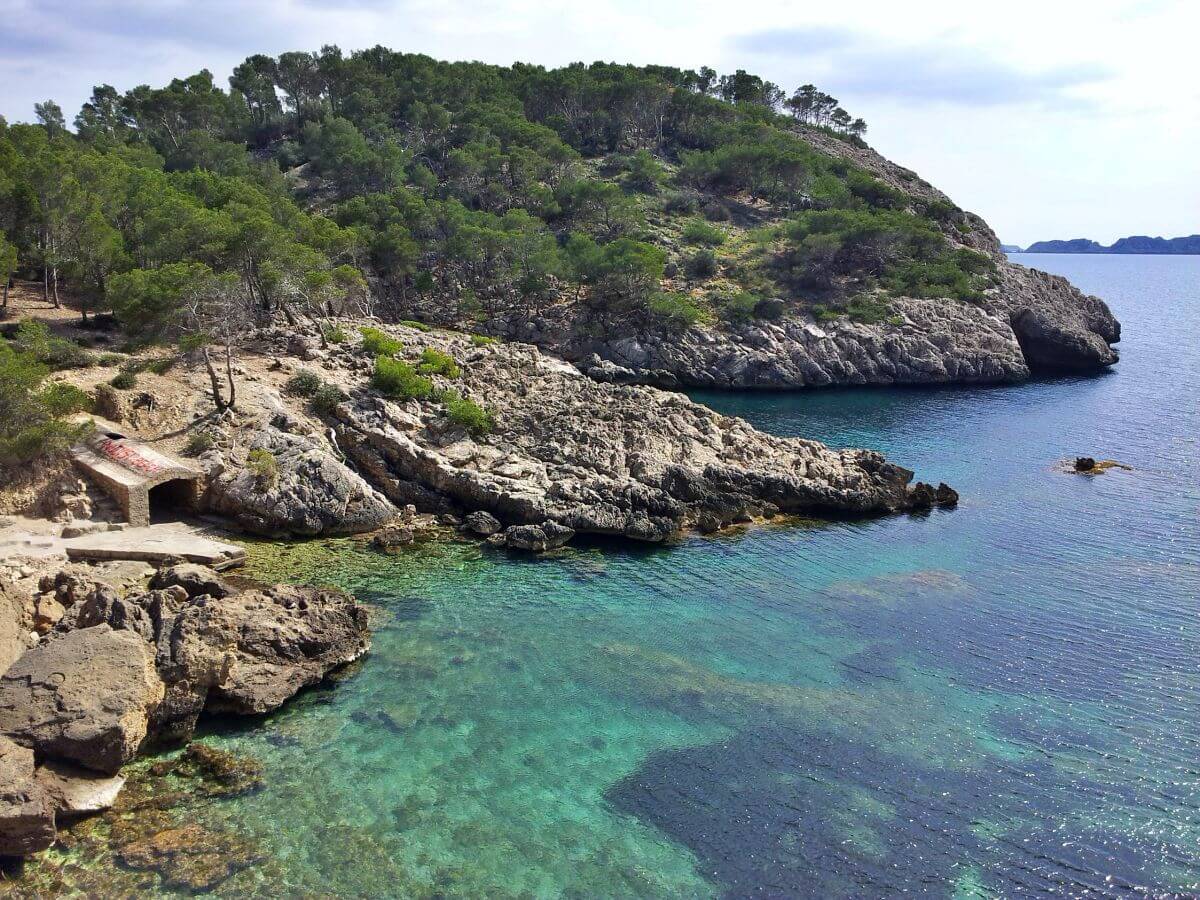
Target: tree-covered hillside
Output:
[(395, 184)]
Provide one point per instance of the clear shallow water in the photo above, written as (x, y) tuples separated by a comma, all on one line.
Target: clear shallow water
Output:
[(1001, 700)]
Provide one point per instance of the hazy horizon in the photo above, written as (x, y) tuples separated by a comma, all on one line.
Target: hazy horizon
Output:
[(1083, 126)]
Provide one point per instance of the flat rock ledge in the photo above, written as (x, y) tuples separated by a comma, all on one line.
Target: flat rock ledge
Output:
[(113, 674)]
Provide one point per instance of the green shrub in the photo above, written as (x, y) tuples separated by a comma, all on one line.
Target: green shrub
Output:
[(261, 463), (326, 398), (303, 384), (161, 366), (481, 340), (868, 310), (36, 339), (199, 442), (740, 307), (701, 264), (435, 362), (823, 313), (680, 204), (701, 233), (467, 413), (110, 359), (398, 380), (378, 343), (335, 334), (124, 380), (64, 399), (413, 323), (677, 310), (28, 426)]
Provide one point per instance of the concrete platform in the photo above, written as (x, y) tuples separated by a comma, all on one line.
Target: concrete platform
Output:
[(153, 544)]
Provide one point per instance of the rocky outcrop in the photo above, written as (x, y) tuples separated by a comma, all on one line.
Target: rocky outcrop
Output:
[(224, 651), (287, 638), (587, 456), (311, 491), (1058, 327), (118, 670), (84, 697)]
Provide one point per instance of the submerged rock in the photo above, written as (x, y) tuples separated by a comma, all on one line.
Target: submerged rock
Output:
[(85, 697), (191, 856)]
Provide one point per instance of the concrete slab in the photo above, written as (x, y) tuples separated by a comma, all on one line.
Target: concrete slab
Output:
[(154, 544)]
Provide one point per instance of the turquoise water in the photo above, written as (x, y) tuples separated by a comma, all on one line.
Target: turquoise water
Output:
[(1000, 700)]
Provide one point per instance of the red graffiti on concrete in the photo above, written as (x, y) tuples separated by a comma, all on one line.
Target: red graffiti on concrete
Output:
[(128, 456)]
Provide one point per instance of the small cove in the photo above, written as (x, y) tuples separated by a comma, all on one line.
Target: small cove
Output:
[(995, 700)]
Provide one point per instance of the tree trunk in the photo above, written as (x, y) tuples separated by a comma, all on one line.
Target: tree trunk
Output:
[(229, 375), (287, 314), (7, 280), (218, 400), (54, 280)]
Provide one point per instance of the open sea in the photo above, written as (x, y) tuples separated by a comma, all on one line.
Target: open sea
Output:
[(1001, 700)]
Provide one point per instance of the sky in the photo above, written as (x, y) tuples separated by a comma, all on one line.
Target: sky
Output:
[(1051, 119)]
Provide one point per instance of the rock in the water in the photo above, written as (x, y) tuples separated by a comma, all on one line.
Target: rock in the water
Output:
[(537, 538), (26, 811), (1084, 463), (285, 639), (194, 579), (393, 536), (85, 697), (945, 495), (74, 791), (312, 493), (482, 523)]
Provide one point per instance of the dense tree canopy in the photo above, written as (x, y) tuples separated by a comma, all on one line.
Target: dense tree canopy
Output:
[(486, 186)]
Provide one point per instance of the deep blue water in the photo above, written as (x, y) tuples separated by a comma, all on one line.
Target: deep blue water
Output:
[(999, 700)]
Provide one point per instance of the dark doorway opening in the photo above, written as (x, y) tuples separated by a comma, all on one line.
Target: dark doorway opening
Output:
[(172, 500)]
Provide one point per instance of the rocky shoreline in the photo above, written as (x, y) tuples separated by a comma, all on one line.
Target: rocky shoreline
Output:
[(566, 453), (101, 676)]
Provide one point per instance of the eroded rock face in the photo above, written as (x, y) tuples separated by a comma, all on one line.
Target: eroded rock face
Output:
[(85, 697), (26, 811), (313, 492), (244, 652), (932, 342), (15, 624)]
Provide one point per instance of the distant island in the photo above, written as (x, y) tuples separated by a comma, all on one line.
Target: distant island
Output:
[(1139, 243)]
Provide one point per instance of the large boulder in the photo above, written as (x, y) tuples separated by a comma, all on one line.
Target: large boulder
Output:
[(286, 638), (312, 492), (26, 811), (85, 697)]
